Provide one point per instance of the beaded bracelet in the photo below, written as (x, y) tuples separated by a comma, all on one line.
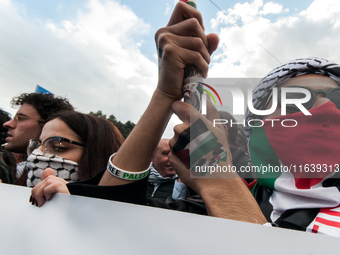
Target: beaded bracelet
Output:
[(126, 175)]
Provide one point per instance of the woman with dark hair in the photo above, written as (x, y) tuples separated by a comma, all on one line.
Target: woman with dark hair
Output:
[(74, 144)]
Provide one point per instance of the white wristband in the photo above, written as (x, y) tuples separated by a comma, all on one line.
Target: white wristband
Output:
[(126, 175)]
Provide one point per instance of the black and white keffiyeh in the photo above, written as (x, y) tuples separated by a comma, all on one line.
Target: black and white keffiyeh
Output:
[(285, 72), (37, 163)]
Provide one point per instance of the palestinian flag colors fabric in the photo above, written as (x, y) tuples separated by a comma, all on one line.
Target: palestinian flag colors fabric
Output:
[(297, 170), (198, 146)]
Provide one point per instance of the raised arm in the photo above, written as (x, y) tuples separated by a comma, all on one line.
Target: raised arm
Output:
[(224, 193), (182, 42)]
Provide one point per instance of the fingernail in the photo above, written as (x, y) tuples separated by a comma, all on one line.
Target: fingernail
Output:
[(30, 199), (36, 204), (33, 201)]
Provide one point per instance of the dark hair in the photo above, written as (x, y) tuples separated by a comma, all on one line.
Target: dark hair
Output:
[(4, 117), (45, 104), (7, 166), (100, 136), (237, 137)]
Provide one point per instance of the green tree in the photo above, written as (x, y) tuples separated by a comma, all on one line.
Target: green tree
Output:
[(99, 113), (125, 129)]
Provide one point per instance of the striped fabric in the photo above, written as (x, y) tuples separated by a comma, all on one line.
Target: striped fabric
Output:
[(287, 185)]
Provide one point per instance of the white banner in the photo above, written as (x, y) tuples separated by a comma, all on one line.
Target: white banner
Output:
[(80, 225)]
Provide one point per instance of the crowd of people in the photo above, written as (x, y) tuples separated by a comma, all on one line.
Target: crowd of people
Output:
[(80, 154)]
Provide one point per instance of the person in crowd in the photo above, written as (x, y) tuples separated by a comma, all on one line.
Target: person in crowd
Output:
[(181, 43), (162, 175), (75, 145), (20, 159), (7, 167), (7, 160), (29, 120), (304, 194), (4, 117), (27, 123), (294, 152)]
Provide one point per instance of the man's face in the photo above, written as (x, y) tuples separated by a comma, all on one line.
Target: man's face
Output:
[(160, 159), (312, 81), (22, 128)]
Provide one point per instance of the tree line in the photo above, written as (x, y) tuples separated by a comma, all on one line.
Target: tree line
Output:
[(124, 128)]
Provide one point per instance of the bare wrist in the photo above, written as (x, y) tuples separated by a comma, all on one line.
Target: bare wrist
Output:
[(164, 97)]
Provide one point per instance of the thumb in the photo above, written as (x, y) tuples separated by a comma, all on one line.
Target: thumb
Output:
[(212, 114), (213, 42), (182, 110), (47, 172)]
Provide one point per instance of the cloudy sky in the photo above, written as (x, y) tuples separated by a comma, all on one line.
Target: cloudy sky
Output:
[(100, 54)]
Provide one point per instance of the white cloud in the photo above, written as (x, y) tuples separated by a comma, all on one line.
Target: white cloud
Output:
[(6, 3), (167, 10), (246, 13), (322, 10), (243, 49), (93, 57), (271, 8)]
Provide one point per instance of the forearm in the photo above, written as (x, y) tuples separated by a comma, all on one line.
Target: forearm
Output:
[(232, 200), (136, 152), (182, 42)]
